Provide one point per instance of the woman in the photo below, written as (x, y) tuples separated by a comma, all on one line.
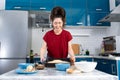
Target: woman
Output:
[(57, 41)]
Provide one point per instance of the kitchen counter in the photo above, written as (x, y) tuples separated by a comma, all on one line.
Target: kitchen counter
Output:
[(104, 57), (53, 74), (85, 56), (91, 56)]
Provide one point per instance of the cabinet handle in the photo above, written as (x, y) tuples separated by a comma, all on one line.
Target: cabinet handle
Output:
[(80, 23), (98, 9), (104, 62), (17, 7), (42, 8), (113, 68), (98, 23)]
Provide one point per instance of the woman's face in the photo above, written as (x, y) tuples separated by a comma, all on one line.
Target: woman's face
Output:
[(57, 24)]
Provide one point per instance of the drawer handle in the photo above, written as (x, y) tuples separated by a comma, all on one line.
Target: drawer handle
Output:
[(98, 9), (98, 23), (79, 23), (17, 7), (113, 68), (104, 62), (42, 8)]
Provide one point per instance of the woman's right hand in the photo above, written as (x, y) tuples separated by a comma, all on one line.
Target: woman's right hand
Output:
[(42, 59), (42, 51)]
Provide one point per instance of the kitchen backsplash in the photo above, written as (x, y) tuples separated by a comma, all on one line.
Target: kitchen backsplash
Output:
[(89, 38)]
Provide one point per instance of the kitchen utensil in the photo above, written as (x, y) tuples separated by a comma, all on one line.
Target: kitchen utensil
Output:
[(39, 66), (62, 66), (63, 60), (24, 65), (76, 48), (85, 66), (22, 71)]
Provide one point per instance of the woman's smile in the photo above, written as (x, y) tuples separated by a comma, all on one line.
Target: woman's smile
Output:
[(57, 25)]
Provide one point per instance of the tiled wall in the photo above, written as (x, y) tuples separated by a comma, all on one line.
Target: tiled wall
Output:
[(89, 38)]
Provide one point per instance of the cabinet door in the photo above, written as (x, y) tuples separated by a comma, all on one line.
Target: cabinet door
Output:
[(78, 12), (93, 19), (110, 65), (99, 64), (113, 67), (42, 4), (105, 65), (17, 5), (66, 4), (98, 5), (83, 59), (102, 65)]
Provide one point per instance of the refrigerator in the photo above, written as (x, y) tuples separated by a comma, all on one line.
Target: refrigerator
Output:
[(14, 39)]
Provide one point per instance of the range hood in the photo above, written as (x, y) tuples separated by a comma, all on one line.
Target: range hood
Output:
[(114, 16), (40, 18)]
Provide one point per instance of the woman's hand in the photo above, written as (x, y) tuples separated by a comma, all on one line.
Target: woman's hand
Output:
[(71, 53), (42, 51), (42, 59), (73, 59)]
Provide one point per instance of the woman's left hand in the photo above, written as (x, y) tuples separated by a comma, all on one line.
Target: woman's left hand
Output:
[(72, 59)]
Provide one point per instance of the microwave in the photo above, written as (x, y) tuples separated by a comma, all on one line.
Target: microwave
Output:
[(111, 44)]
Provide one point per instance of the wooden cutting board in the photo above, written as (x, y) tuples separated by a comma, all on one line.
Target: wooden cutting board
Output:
[(76, 48)]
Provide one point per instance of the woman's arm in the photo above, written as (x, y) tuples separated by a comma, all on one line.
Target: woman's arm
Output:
[(70, 51), (42, 51)]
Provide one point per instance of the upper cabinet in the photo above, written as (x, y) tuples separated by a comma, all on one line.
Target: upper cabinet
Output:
[(93, 19), (78, 13), (46, 5), (17, 5), (66, 4), (98, 5), (97, 11), (75, 14)]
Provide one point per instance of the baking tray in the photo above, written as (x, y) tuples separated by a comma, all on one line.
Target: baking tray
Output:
[(53, 64)]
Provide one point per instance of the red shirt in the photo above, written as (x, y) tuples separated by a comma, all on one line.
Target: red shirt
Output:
[(57, 45)]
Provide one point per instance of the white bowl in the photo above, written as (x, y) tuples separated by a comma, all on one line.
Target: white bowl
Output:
[(85, 66)]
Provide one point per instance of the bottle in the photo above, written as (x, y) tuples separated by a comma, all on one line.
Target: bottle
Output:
[(102, 48), (87, 52), (31, 56)]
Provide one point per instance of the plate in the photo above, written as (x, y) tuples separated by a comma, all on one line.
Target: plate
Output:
[(22, 71)]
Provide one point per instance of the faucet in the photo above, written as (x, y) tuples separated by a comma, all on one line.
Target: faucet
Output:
[(81, 50)]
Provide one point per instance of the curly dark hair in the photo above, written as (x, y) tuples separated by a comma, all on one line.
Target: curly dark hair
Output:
[(58, 12)]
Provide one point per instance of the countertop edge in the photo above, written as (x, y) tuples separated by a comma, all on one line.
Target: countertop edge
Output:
[(85, 56)]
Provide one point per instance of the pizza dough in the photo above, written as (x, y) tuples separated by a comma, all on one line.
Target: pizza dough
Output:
[(57, 61)]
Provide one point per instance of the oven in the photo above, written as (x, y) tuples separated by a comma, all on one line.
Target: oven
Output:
[(112, 44)]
